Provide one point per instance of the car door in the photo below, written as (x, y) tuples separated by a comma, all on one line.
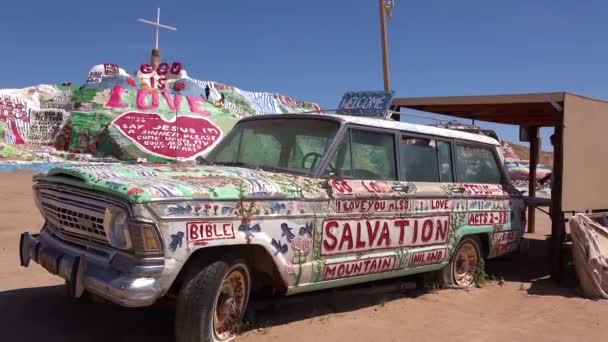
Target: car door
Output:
[(361, 227), (437, 202)]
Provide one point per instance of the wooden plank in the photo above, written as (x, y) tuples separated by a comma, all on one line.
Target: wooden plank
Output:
[(536, 109), (480, 99), (524, 121), (533, 115), (506, 109), (557, 216), (584, 154), (534, 154)]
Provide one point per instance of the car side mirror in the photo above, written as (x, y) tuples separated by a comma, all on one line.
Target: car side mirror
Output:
[(200, 160), (338, 174)]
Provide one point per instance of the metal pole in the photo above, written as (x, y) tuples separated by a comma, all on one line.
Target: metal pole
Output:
[(157, 27), (386, 70)]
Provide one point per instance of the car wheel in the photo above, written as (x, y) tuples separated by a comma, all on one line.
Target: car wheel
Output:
[(211, 304), (460, 272)]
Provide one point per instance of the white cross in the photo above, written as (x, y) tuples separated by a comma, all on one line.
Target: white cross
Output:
[(158, 25)]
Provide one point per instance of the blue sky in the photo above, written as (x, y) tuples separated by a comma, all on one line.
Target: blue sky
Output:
[(318, 49)]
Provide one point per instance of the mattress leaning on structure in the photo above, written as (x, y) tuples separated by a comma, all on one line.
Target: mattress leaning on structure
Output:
[(590, 251)]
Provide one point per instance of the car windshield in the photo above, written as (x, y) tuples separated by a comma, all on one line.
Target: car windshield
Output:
[(287, 145)]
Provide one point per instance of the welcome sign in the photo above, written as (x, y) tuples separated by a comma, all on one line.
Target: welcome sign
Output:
[(365, 103)]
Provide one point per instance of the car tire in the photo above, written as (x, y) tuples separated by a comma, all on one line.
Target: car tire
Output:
[(211, 304), (460, 272)]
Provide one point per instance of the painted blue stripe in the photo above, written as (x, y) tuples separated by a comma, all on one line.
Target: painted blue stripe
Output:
[(40, 167)]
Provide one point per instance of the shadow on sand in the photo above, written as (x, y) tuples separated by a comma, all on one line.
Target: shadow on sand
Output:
[(47, 314), (526, 267), (533, 267)]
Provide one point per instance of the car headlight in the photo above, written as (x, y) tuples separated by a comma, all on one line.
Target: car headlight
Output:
[(116, 226), (138, 235)]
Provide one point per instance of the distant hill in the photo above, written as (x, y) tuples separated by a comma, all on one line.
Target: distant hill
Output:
[(523, 152)]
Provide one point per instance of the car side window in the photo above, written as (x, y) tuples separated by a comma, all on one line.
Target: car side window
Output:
[(426, 160), (477, 165), (444, 155), (342, 162), (365, 155)]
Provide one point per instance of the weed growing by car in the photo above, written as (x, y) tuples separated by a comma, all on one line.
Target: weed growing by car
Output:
[(249, 325), (430, 283), (382, 302), (481, 276)]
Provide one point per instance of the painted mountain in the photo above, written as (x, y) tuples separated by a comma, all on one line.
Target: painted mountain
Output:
[(157, 114)]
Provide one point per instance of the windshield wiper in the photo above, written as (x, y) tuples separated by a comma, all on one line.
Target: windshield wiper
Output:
[(200, 160)]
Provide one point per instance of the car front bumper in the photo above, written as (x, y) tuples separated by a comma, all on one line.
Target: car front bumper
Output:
[(88, 269)]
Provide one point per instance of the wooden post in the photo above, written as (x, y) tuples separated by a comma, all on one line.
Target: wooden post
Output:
[(557, 216), (534, 153), (385, 65)]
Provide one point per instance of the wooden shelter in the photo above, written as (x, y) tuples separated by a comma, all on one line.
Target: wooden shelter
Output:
[(579, 162)]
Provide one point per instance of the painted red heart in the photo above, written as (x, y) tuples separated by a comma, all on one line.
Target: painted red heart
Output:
[(183, 138)]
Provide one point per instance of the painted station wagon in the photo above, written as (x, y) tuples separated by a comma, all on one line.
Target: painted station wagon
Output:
[(293, 203)]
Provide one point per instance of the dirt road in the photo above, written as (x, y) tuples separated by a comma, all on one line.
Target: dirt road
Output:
[(528, 307)]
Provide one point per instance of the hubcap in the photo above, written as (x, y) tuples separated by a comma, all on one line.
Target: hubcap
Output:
[(465, 265), (230, 304)]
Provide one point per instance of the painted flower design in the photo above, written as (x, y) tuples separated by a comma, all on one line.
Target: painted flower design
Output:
[(289, 268), (207, 207), (295, 207), (134, 191), (302, 244), (179, 86), (131, 82)]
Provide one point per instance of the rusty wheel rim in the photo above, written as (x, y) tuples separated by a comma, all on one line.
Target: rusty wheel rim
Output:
[(230, 303), (465, 265)]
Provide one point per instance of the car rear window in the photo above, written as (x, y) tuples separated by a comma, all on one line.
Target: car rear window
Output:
[(477, 164)]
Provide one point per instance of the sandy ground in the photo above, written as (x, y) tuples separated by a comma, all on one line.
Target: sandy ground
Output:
[(527, 307)]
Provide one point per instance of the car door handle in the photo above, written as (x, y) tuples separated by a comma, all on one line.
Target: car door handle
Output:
[(459, 190), (400, 188)]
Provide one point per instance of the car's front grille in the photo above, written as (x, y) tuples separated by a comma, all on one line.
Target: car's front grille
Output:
[(74, 215), (71, 221)]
